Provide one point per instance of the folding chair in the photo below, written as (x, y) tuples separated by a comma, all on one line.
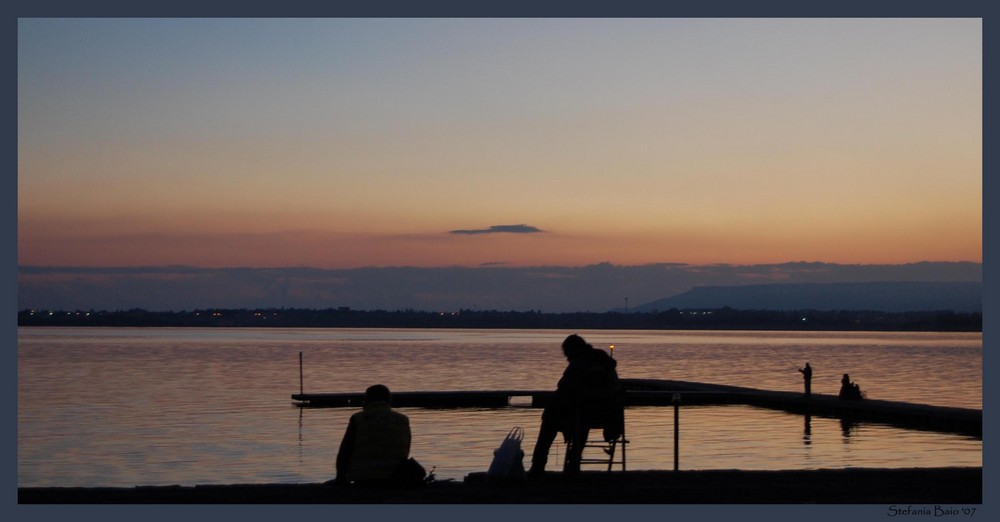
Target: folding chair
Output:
[(609, 418), (608, 447)]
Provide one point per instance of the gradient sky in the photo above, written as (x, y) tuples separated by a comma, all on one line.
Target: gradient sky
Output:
[(339, 143)]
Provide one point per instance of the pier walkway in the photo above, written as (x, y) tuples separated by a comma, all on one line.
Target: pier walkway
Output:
[(654, 392), (882, 488)]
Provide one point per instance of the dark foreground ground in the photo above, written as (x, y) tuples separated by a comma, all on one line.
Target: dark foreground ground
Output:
[(850, 486)]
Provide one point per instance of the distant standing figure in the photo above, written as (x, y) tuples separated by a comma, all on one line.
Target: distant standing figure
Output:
[(376, 445), (807, 375)]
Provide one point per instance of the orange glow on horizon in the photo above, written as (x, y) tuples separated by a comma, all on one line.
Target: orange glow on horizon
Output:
[(852, 141), (340, 250)]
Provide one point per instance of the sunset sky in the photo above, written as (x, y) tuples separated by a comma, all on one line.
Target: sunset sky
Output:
[(340, 143)]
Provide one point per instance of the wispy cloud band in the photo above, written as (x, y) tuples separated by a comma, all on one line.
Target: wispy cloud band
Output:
[(501, 229)]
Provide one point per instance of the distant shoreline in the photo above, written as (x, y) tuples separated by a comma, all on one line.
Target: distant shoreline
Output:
[(674, 319)]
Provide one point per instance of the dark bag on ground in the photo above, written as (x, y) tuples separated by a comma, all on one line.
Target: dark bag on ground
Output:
[(508, 459)]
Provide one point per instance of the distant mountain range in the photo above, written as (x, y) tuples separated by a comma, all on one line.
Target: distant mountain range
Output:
[(874, 296), (552, 289)]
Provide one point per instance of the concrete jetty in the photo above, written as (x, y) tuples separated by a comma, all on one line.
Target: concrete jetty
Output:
[(656, 392), (963, 421), (882, 488)]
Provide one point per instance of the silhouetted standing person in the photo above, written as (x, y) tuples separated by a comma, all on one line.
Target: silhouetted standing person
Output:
[(588, 386), (807, 375), (376, 445)]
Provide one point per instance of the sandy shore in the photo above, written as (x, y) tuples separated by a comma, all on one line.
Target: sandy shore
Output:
[(851, 486)]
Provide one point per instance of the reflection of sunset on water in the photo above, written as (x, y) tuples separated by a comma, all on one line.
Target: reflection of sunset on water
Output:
[(214, 405)]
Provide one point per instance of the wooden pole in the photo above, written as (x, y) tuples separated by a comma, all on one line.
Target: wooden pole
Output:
[(677, 418), (301, 387)]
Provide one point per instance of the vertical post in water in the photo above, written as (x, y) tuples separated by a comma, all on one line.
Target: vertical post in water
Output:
[(301, 388), (677, 418)]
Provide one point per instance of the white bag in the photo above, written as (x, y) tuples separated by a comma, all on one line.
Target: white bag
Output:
[(508, 465)]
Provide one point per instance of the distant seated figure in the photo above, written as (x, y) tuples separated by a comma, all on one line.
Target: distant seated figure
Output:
[(850, 391), (376, 445), (588, 394)]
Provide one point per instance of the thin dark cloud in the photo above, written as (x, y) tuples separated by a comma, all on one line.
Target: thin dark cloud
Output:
[(501, 229)]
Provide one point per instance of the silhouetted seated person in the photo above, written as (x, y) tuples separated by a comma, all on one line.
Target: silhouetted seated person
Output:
[(376, 445), (588, 395), (850, 391)]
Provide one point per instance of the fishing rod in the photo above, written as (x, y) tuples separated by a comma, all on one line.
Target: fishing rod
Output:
[(782, 357)]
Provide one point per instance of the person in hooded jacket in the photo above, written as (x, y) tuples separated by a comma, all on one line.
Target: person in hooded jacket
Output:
[(588, 394)]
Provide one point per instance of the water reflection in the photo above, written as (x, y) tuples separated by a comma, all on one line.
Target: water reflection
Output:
[(301, 413), (847, 427), (77, 428), (461, 441)]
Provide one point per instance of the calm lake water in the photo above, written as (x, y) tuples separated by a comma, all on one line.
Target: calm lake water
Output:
[(161, 406)]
